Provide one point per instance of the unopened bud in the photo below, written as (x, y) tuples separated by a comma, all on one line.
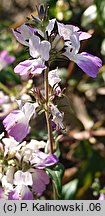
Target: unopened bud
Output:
[(58, 43)]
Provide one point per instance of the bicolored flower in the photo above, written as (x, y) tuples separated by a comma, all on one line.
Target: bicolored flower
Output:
[(5, 59), (29, 68), (30, 148), (35, 178), (41, 160), (66, 31), (87, 62), (17, 122), (21, 192)]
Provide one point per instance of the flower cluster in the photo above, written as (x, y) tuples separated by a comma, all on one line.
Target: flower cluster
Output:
[(22, 168), (23, 165), (57, 40)]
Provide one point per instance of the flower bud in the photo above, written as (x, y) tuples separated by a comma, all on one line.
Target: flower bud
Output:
[(58, 43)]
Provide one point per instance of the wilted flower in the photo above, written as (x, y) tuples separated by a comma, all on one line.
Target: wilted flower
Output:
[(57, 116)]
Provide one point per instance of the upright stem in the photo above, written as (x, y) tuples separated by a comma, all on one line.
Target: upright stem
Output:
[(49, 126)]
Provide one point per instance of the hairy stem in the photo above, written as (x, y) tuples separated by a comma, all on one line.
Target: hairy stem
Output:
[(49, 126)]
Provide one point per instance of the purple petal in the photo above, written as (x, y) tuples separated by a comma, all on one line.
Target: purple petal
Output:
[(51, 160), (95, 59), (83, 35), (20, 38), (88, 63), (19, 132), (38, 69), (4, 55), (23, 33), (6, 59), (102, 196), (74, 38), (8, 121), (23, 67), (47, 160), (28, 67), (26, 194), (13, 195), (40, 180), (14, 128)]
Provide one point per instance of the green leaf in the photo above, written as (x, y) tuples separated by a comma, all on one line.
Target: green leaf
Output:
[(56, 174), (69, 190)]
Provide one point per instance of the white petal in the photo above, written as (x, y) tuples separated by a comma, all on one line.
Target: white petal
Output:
[(23, 178), (50, 26), (34, 46), (53, 77), (74, 38), (28, 110), (45, 47)]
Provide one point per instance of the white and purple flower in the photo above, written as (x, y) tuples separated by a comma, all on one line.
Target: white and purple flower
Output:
[(72, 36), (87, 62), (17, 122), (36, 178), (29, 68), (66, 31), (41, 160)]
